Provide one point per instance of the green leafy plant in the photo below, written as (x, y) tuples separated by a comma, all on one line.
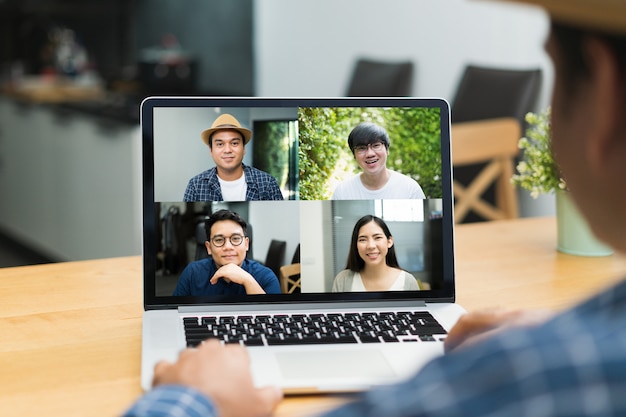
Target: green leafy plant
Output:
[(538, 171)]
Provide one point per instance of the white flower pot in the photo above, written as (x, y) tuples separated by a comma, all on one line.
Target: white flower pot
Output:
[(574, 235)]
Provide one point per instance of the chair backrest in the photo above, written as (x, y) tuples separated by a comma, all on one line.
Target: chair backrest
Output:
[(372, 78), (295, 259), (276, 255), (487, 93), (289, 277), (494, 143), (200, 235)]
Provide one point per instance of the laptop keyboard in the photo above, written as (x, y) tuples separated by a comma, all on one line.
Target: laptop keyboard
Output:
[(298, 329)]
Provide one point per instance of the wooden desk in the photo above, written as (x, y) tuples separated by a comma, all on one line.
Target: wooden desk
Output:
[(71, 332)]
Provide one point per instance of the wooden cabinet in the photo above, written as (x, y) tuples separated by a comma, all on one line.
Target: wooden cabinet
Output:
[(70, 186)]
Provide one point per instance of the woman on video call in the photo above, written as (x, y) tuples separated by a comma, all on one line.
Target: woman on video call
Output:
[(372, 264)]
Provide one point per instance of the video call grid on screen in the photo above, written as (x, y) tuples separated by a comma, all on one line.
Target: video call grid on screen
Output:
[(305, 148)]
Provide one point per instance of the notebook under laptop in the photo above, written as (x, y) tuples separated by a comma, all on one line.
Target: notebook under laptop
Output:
[(302, 143)]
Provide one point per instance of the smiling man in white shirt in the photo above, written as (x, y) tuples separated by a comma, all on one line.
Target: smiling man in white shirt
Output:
[(369, 144)]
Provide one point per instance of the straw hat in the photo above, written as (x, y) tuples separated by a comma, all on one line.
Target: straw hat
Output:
[(608, 16), (226, 121)]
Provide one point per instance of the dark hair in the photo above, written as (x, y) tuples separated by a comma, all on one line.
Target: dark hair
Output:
[(221, 215), (366, 133), (355, 263), (570, 42)]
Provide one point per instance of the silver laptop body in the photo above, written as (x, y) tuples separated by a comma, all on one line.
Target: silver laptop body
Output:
[(317, 228)]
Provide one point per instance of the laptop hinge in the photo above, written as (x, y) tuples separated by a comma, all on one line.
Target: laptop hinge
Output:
[(285, 307)]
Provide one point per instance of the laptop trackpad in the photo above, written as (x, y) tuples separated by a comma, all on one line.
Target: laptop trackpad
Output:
[(334, 364)]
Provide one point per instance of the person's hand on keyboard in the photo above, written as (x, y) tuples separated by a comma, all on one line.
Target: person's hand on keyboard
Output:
[(477, 326), (205, 368)]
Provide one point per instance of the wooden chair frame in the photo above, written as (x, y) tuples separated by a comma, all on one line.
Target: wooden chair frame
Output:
[(289, 278), (494, 142)]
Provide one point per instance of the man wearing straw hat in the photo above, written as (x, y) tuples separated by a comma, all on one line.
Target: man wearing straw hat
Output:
[(230, 179), (501, 363)]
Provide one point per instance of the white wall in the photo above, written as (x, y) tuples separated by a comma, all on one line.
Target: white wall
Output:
[(286, 228), (308, 48)]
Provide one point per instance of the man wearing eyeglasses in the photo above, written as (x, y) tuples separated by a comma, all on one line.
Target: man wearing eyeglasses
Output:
[(226, 271), (369, 144)]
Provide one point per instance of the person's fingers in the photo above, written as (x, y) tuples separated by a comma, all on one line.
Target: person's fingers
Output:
[(238, 354), (268, 398), (209, 344), (186, 352), (477, 326), (159, 369), (472, 324)]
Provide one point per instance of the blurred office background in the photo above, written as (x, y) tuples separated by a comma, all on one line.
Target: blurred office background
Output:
[(70, 156)]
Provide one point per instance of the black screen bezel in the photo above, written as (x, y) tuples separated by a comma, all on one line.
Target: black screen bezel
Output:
[(151, 301)]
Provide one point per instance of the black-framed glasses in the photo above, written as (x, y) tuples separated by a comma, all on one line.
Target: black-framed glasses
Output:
[(220, 240), (376, 146)]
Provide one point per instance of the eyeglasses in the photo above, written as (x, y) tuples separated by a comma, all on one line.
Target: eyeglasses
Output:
[(376, 146), (220, 240)]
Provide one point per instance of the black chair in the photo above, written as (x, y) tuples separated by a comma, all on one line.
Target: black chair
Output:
[(200, 236), (275, 257), (371, 78), (490, 93), (295, 259)]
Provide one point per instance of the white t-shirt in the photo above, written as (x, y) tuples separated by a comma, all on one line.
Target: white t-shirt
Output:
[(357, 283), (234, 190), (345, 281), (399, 186)]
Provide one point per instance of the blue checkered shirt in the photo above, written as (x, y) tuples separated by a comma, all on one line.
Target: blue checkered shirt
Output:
[(206, 186), (574, 365), (172, 401)]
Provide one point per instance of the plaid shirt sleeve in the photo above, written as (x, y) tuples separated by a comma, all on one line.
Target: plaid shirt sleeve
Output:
[(172, 401), (203, 187), (574, 365), (261, 185)]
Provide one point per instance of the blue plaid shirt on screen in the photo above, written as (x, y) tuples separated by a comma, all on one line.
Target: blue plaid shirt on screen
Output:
[(573, 365), (206, 186)]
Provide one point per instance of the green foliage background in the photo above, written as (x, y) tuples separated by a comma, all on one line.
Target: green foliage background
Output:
[(325, 159), (271, 150)]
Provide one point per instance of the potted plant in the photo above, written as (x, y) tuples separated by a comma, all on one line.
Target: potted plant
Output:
[(539, 174)]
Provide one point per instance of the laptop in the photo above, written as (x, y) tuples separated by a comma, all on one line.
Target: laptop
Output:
[(311, 335)]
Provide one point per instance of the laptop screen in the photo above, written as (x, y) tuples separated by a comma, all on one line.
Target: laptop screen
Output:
[(351, 198)]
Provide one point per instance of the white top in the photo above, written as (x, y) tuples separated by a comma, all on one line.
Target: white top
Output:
[(399, 186), (357, 283), (347, 280), (234, 190)]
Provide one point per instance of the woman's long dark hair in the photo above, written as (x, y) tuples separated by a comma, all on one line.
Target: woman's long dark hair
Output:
[(355, 263)]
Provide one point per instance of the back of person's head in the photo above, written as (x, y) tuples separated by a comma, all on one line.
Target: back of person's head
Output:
[(571, 43), (366, 133), (355, 263), (573, 24), (222, 215)]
